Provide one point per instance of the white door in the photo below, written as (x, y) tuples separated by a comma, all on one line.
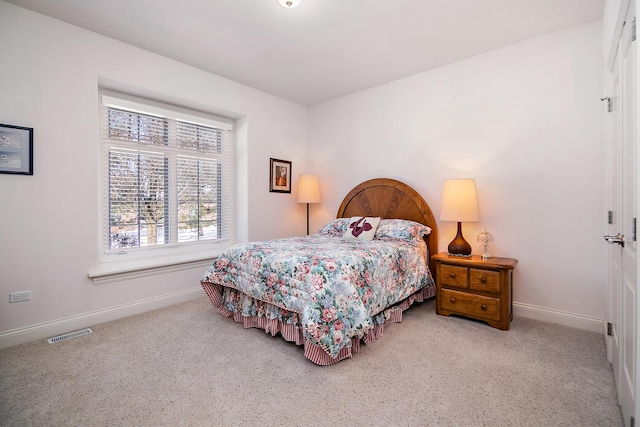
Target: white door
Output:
[(624, 201), (627, 396), (614, 228)]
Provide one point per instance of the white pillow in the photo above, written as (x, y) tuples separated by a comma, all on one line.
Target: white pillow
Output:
[(360, 227)]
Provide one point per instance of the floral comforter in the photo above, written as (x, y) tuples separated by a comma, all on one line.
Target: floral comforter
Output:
[(337, 285)]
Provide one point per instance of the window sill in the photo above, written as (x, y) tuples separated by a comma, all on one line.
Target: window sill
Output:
[(126, 271)]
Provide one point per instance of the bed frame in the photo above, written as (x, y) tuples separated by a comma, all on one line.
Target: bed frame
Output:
[(388, 198)]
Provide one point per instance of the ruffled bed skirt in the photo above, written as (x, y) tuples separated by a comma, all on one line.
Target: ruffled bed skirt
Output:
[(254, 313)]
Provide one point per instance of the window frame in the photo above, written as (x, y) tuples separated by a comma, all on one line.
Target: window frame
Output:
[(132, 260)]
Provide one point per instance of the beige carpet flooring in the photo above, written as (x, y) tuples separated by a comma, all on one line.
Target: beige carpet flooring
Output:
[(186, 365)]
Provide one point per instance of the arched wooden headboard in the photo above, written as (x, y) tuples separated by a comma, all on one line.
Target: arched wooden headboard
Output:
[(388, 198)]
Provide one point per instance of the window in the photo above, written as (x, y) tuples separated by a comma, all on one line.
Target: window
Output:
[(165, 179)]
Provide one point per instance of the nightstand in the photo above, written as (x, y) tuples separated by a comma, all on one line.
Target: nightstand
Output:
[(473, 287)]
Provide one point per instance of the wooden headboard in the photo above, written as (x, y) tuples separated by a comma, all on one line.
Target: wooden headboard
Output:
[(388, 198)]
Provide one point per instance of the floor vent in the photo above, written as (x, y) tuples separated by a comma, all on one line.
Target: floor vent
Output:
[(70, 335)]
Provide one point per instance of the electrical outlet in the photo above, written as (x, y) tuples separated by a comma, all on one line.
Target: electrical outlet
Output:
[(19, 296)]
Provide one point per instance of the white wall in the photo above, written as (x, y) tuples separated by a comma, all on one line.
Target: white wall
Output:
[(49, 221), (526, 122)]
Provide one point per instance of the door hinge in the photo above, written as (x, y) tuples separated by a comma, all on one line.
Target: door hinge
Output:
[(609, 328), (608, 99), (633, 29), (633, 229), (610, 217)]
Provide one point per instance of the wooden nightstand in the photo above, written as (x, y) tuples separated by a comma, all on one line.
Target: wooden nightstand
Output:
[(476, 288)]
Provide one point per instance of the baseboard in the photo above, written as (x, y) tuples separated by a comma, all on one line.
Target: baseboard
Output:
[(62, 326), (559, 317)]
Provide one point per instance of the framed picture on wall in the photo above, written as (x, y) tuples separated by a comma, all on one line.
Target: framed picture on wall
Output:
[(16, 150), (280, 176)]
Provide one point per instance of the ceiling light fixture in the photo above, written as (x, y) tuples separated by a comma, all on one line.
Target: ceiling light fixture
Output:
[(289, 4)]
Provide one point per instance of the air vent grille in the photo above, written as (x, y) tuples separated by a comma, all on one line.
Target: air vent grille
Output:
[(70, 335)]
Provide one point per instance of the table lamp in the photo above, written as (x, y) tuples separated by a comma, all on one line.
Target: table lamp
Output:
[(308, 192), (459, 203), (485, 237)]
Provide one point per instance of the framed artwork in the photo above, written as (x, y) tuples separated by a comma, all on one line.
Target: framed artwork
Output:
[(280, 176), (16, 149)]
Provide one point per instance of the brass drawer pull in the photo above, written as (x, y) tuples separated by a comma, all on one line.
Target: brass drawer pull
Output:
[(452, 275), (484, 307), (453, 300), (484, 279)]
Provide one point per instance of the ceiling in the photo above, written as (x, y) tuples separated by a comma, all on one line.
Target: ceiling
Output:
[(322, 49)]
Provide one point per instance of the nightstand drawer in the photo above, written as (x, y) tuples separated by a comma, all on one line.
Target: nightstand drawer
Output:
[(484, 280), (452, 275), (469, 304)]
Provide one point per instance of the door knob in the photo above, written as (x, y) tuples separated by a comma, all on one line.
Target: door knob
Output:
[(618, 238)]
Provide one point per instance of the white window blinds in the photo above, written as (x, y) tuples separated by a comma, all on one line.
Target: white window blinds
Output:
[(165, 176)]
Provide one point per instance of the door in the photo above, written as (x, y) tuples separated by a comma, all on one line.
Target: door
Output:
[(623, 260), (614, 228), (628, 203)]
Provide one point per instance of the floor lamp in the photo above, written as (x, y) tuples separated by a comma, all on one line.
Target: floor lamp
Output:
[(308, 192)]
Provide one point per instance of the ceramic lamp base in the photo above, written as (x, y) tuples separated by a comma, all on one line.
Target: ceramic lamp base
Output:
[(459, 246)]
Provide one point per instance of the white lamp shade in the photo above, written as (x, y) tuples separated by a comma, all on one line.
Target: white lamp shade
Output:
[(308, 189), (459, 202)]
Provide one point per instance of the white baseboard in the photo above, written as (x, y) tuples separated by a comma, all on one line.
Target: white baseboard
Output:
[(559, 317), (62, 326)]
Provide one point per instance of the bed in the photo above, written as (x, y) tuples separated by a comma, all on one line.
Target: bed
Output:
[(336, 289)]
